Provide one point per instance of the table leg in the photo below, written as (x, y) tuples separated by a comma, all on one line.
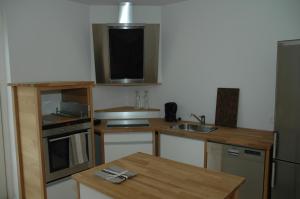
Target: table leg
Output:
[(78, 190), (234, 195)]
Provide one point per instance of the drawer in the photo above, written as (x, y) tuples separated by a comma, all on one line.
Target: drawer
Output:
[(128, 137)]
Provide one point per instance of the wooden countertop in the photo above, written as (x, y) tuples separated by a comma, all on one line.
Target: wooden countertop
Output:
[(53, 84), (162, 179), (57, 119), (126, 109), (257, 139)]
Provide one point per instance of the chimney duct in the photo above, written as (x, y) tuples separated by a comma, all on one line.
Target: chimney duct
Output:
[(125, 12)]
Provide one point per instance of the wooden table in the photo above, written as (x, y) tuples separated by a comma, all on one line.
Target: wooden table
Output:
[(159, 179)]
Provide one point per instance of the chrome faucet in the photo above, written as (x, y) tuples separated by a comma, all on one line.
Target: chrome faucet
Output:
[(201, 118)]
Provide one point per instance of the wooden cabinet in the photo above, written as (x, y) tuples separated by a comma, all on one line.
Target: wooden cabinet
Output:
[(118, 145), (185, 150), (29, 110)]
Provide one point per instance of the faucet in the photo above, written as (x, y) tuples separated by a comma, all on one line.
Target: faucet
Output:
[(201, 118)]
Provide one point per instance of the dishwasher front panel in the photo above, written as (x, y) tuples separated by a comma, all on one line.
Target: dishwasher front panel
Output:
[(248, 163)]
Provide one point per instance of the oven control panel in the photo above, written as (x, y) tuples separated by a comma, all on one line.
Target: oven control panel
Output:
[(67, 129)]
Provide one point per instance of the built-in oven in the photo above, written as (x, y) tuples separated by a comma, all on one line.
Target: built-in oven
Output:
[(67, 149)]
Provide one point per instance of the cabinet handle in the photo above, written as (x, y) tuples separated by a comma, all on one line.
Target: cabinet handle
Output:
[(65, 137), (233, 152), (273, 181), (61, 138)]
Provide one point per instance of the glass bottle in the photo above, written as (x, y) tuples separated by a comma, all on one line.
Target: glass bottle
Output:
[(146, 100), (137, 100)]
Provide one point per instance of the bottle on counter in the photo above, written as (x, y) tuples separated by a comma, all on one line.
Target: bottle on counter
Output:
[(146, 100), (137, 100)]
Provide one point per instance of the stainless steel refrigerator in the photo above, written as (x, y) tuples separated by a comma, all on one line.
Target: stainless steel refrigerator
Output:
[(285, 181)]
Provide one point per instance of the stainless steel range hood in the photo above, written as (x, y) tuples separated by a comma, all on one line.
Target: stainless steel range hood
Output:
[(125, 13), (126, 52)]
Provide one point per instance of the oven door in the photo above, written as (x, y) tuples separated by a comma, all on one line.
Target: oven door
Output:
[(68, 154)]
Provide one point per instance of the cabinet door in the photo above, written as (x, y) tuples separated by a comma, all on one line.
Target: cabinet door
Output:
[(185, 150), (118, 145), (214, 156), (89, 193), (66, 189)]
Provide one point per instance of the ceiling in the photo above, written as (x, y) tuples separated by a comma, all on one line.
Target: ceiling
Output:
[(135, 2)]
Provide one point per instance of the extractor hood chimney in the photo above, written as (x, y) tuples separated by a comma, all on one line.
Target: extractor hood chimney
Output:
[(125, 12)]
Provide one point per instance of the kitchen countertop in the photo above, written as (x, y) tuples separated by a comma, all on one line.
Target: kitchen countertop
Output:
[(163, 179), (257, 139), (52, 84), (126, 109), (57, 119)]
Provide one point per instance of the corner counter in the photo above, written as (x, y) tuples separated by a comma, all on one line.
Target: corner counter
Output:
[(252, 138)]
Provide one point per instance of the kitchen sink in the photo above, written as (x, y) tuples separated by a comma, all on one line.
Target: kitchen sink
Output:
[(195, 127)]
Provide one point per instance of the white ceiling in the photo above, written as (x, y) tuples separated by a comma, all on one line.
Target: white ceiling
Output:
[(135, 2)]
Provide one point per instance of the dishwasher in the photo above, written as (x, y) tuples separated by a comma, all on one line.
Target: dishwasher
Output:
[(239, 161)]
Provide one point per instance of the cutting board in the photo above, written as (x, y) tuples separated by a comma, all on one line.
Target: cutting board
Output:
[(227, 107)]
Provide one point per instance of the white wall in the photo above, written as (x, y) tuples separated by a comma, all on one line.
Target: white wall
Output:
[(214, 43), (106, 97), (6, 109), (48, 39)]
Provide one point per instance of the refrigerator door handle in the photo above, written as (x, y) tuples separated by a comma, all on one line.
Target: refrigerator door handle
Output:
[(273, 180), (275, 144)]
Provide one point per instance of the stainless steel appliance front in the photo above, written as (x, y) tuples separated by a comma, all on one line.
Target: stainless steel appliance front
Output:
[(240, 161), (286, 156), (102, 54), (67, 150)]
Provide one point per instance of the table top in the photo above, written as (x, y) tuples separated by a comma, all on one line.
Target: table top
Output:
[(162, 179)]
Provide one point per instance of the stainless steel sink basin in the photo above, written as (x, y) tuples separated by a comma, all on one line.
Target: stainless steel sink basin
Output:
[(195, 127)]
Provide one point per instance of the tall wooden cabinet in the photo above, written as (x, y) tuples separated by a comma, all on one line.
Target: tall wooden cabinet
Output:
[(31, 102)]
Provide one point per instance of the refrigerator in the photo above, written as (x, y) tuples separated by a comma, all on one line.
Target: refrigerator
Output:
[(285, 182)]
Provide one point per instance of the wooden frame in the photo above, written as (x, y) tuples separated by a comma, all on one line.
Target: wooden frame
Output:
[(28, 124), (31, 165), (266, 185)]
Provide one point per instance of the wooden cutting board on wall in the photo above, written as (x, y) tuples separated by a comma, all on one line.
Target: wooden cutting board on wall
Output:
[(227, 107)]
